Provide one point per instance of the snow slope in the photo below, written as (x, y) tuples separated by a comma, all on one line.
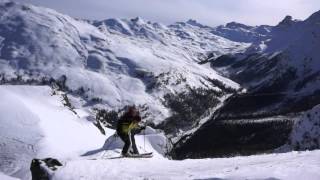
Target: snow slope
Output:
[(306, 131), (288, 166), (5, 177), (34, 123)]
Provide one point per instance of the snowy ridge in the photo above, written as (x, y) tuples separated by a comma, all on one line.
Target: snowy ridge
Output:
[(290, 50), (242, 33), (298, 41), (114, 61)]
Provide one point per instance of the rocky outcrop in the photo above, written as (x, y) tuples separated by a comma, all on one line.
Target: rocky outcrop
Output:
[(42, 169)]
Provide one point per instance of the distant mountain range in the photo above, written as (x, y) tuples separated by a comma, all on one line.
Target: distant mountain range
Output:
[(188, 79)]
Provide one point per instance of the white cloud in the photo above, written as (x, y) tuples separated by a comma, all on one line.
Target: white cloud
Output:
[(211, 12)]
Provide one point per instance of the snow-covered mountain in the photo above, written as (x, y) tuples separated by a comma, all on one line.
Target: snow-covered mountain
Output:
[(242, 33), (281, 75), (212, 91), (113, 62), (295, 43), (101, 64), (286, 64)]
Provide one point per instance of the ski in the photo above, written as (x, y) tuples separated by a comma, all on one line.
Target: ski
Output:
[(138, 156), (144, 155), (148, 153)]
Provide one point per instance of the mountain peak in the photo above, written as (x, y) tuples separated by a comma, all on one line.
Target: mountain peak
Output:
[(287, 21), (193, 22), (138, 20), (234, 25)]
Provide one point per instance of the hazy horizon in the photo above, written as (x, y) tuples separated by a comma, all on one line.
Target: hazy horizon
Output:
[(208, 12)]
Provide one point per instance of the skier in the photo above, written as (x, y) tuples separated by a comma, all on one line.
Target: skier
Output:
[(127, 127)]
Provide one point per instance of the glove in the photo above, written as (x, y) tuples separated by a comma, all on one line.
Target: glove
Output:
[(139, 129)]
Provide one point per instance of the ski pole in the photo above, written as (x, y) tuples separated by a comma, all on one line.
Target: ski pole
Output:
[(144, 139)]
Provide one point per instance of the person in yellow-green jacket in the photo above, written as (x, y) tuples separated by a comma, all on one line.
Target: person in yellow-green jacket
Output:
[(126, 127)]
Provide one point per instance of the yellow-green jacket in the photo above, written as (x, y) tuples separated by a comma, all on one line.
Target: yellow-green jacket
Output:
[(127, 123)]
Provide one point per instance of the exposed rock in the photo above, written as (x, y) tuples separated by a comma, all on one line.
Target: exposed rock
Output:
[(42, 169)]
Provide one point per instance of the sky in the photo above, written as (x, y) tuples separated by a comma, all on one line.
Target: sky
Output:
[(208, 12)]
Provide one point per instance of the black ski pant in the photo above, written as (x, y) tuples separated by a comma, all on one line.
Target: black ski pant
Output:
[(129, 143)]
